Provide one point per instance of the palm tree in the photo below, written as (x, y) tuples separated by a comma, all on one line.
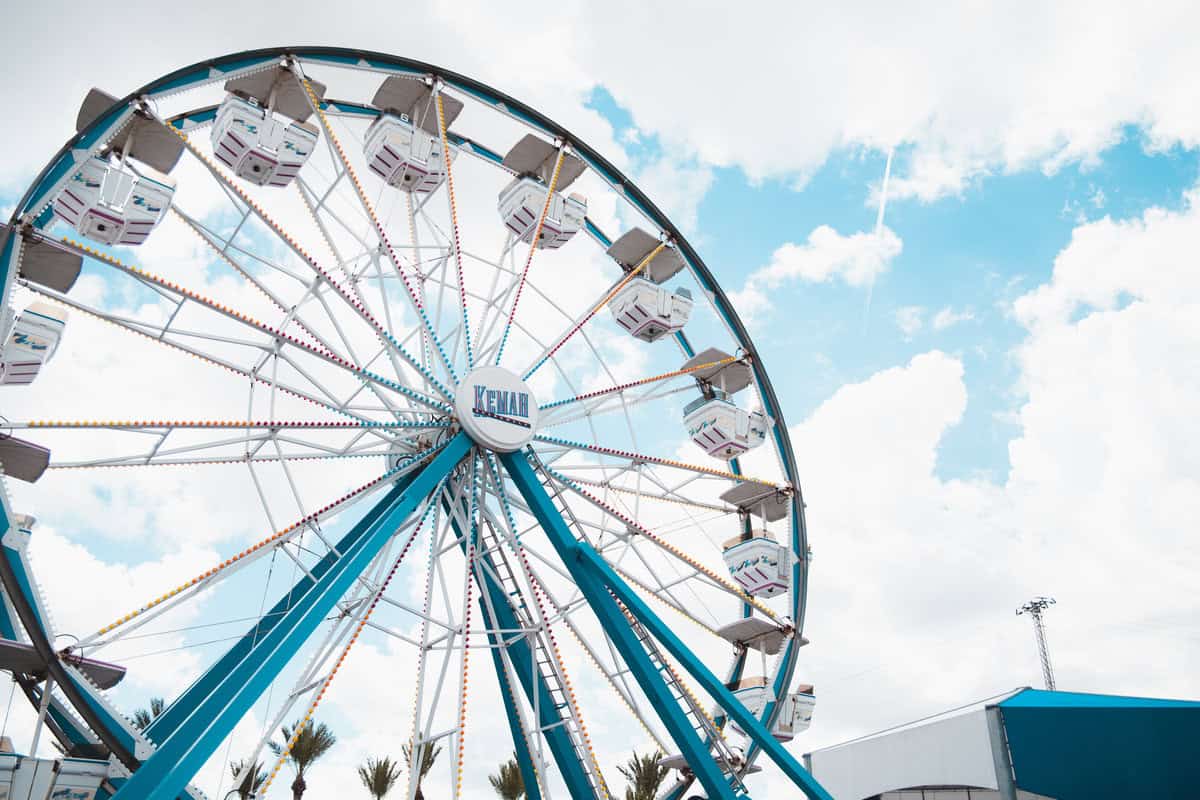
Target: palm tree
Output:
[(143, 717), (311, 743), (428, 756), (644, 774), (248, 778), (508, 783), (379, 775)]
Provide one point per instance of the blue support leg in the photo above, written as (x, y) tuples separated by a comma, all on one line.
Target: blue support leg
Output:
[(164, 775), (571, 551), (746, 720), (165, 723), (520, 746)]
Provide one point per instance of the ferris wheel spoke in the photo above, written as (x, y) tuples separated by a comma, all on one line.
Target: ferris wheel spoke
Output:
[(222, 251), (727, 586), (193, 726), (368, 602), (611, 599), (398, 474), (159, 333), (417, 745), (377, 225), (537, 235), (665, 497), (274, 334), (665, 376), (611, 404), (495, 302), (173, 459), (639, 458), (582, 320), (457, 243), (313, 290), (356, 308)]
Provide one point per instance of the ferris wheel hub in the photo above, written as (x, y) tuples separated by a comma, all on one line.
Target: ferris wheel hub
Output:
[(496, 409)]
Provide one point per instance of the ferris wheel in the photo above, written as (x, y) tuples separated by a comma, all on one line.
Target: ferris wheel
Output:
[(481, 402)]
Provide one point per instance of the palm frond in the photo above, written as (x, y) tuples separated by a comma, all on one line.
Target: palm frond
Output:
[(379, 775), (313, 742), (508, 782)]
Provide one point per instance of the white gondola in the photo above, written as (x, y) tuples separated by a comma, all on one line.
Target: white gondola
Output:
[(722, 429), (115, 201), (521, 205), (796, 714), (650, 312), (404, 145), (522, 201), (758, 563), (404, 155), (27, 778), (257, 146), (34, 338), (752, 692)]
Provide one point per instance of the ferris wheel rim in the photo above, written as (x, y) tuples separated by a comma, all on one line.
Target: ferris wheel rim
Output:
[(350, 58)]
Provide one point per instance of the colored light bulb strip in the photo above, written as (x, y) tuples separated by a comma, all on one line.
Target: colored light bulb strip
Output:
[(262, 327), (382, 234), (308, 259), (236, 424), (236, 370), (730, 586), (418, 685), (209, 462), (537, 235), (681, 501), (426, 337), (268, 541), (257, 284), (645, 459), (472, 533), (641, 382), (542, 602), (633, 273), (655, 594), (462, 288), (609, 680), (306, 720)]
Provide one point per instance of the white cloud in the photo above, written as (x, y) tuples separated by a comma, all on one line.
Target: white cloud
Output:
[(856, 260), (676, 187), (910, 319), (915, 577), (948, 316), (972, 90)]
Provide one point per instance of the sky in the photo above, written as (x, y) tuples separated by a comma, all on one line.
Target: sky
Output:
[(990, 391)]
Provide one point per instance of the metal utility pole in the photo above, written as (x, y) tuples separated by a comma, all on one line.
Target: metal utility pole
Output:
[(1035, 608)]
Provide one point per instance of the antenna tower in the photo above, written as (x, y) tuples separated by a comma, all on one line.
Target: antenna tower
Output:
[(1035, 608)]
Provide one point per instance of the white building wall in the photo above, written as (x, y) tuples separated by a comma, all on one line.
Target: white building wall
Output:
[(954, 751)]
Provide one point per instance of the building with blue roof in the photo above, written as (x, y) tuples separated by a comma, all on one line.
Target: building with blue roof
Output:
[(1027, 744)]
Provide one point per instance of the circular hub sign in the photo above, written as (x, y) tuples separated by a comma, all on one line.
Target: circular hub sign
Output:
[(496, 409)]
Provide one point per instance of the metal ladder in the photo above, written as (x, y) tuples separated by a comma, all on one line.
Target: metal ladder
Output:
[(726, 760), (723, 755), (546, 665)]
